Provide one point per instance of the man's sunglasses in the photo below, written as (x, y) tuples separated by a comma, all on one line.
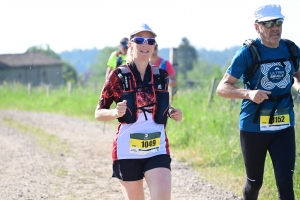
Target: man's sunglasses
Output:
[(272, 23), (141, 40)]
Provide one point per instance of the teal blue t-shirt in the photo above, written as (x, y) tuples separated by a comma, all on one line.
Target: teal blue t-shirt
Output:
[(273, 76)]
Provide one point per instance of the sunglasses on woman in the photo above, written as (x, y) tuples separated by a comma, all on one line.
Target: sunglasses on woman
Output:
[(141, 40), (272, 23)]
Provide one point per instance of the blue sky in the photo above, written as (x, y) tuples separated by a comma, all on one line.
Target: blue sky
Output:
[(87, 24)]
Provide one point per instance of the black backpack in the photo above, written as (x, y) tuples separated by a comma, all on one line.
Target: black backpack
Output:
[(256, 61)]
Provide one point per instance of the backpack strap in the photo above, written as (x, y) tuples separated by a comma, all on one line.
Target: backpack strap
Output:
[(250, 43), (118, 53), (273, 99), (158, 79), (252, 46), (293, 52), (119, 59), (155, 70), (254, 52), (163, 64), (126, 78)]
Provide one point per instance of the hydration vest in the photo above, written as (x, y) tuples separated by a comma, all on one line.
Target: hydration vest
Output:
[(256, 62), (159, 89)]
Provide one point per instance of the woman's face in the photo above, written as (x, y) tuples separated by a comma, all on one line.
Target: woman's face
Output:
[(142, 52)]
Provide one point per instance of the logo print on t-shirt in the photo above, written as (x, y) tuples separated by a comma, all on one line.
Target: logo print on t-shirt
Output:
[(274, 74)]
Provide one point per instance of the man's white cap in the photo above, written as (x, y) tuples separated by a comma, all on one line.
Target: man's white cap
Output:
[(268, 12), (142, 27)]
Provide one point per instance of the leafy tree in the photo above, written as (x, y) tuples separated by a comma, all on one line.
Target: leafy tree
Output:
[(219, 57), (202, 74), (187, 57), (69, 72), (44, 49), (98, 70)]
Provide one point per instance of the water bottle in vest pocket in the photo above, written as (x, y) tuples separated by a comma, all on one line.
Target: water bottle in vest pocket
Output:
[(130, 115), (161, 113)]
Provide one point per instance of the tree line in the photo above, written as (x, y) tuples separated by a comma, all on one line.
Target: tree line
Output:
[(192, 64)]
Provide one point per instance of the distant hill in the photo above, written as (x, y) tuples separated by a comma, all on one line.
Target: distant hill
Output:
[(164, 53), (214, 57), (82, 59), (218, 57)]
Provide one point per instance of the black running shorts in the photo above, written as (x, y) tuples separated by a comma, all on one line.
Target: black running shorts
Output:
[(134, 169)]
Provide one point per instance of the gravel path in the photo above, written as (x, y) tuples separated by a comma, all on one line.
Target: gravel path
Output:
[(75, 164)]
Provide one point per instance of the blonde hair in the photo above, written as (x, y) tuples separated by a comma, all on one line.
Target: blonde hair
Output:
[(129, 56)]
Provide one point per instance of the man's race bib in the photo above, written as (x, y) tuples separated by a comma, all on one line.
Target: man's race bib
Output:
[(144, 143), (281, 120)]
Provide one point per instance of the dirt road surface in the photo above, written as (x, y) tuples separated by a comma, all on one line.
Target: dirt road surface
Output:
[(50, 156)]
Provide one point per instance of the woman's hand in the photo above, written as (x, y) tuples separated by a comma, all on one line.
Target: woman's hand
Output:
[(176, 114), (121, 109)]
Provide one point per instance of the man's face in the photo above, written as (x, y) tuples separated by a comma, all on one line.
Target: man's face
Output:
[(270, 32), (123, 48)]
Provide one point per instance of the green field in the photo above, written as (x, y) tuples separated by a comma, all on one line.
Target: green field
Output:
[(207, 138)]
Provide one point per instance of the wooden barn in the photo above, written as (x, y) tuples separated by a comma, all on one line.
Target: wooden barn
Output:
[(35, 68)]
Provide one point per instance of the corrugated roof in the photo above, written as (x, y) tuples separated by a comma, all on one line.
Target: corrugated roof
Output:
[(28, 59)]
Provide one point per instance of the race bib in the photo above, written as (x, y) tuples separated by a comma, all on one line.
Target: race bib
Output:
[(144, 143), (281, 120)]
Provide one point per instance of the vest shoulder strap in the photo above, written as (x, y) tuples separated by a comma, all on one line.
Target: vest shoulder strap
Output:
[(118, 53), (155, 70), (159, 82), (293, 52), (124, 69), (125, 73), (163, 64), (254, 52)]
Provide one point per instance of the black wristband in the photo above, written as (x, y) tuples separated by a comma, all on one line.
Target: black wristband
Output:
[(170, 110), (298, 91)]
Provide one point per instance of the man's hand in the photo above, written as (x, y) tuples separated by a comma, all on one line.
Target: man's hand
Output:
[(258, 96)]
